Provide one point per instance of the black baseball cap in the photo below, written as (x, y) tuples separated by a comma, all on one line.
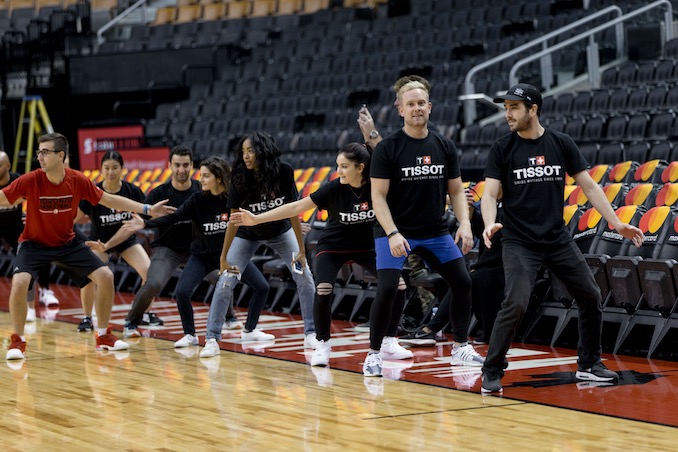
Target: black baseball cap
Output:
[(521, 91)]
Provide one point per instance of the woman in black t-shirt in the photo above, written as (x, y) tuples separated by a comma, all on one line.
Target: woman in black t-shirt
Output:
[(346, 237), (261, 182), (208, 213), (105, 224)]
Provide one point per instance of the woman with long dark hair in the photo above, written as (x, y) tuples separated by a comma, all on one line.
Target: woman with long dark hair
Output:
[(208, 212), (346, 237), (260, 183)]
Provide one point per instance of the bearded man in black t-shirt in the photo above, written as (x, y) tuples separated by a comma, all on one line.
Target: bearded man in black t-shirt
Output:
[(412, 172), (529, 165)]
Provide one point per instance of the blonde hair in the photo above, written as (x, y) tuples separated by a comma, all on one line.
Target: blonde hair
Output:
[(409, 86)]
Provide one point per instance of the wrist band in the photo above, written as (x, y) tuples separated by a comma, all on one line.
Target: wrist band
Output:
[(146, 209), (392, 234)]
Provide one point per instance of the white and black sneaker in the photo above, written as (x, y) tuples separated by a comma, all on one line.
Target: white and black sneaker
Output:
[(597, 372), (372, 365)]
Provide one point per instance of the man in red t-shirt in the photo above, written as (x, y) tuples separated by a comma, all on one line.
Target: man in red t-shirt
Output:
[(52, 194)]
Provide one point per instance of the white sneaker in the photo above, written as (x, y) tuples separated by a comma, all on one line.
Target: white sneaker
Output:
[(30, 315), (233, 325), (466, 355), (186, 341), (310, 341), (47, 298), (372, 365), (323, 375), (391, 349), (321, 355), (211, 349), (256, 335)]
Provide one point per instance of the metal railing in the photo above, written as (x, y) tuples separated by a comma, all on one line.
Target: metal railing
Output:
[(117, 19), (470, 96), (592, 59)]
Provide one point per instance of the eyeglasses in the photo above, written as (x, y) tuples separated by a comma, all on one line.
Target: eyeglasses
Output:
[(44, 152)]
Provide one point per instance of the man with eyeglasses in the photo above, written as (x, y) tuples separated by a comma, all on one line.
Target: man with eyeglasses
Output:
[(52, 194)]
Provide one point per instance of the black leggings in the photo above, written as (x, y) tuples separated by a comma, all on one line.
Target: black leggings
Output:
[(326, 265), (455, 275)]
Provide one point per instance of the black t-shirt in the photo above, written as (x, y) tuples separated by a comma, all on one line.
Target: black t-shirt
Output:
[(419, 171), (208, 215), (350, 217), (257, 203), (107, 221), (177, 236), (532, 176), (11, 221)]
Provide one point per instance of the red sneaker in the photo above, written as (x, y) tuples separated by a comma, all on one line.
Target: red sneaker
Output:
[(109, 342), (17, 349)]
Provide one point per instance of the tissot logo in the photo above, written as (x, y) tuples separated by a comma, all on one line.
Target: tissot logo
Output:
[(221, 217), (538, 160), (424, 160), (361, 206)]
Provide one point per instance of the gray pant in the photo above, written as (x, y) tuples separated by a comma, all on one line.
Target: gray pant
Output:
[(239, 254), (163, 263)]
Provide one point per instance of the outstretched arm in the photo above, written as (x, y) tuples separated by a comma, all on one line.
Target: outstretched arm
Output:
[(290, 210), (128, 205)]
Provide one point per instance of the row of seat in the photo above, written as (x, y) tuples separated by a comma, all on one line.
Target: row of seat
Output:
[(648, 98), (190, 11)]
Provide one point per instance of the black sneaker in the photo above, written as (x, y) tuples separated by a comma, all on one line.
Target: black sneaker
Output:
[(85, 325), (480, 340), (491, 383), (150, 319), (419, 337), (596, 373)]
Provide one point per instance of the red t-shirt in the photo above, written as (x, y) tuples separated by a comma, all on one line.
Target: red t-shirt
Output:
[(51, 209)]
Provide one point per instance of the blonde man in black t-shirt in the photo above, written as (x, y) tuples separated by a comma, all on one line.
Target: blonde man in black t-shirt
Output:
[(413, 170)]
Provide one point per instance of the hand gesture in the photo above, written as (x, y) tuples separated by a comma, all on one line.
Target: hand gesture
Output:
[(159, 209), (243, 218), (136, 223), (96, 245), (489, 232)]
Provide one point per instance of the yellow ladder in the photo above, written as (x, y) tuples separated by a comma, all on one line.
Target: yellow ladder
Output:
[(38, 121)]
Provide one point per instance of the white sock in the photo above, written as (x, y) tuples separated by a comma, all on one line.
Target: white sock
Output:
[(102, 331), (23, 338)]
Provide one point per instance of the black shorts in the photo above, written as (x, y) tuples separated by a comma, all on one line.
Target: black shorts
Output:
[(74, 258)]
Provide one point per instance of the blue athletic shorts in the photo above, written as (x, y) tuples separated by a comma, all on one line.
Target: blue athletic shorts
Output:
[(443, 248)]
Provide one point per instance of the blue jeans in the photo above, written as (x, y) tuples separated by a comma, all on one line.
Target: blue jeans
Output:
[(239, 254), (196, 269)]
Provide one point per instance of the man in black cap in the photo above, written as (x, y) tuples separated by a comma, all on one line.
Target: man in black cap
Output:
[(529, 165)]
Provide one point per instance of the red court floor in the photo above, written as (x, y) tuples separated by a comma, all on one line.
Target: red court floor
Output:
[(647, 390)]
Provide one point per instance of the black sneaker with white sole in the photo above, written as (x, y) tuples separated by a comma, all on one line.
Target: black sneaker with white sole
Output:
[(419, 337), (85, 325), (151, 319), (597, 372), (491, 383)]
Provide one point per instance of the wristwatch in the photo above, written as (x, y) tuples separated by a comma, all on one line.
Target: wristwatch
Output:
[(374, 134)]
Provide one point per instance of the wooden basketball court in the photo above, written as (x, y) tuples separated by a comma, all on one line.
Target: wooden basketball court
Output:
[(264, 396)]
